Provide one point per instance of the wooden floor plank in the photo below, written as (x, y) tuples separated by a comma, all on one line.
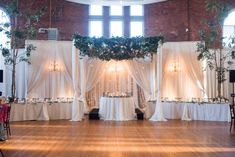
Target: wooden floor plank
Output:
[(63, 138)]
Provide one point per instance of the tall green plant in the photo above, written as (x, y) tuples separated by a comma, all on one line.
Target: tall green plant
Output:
[(212, 43), (21, 28)]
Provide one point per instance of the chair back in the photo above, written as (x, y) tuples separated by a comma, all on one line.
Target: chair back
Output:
[(7, 117), (3, 112)]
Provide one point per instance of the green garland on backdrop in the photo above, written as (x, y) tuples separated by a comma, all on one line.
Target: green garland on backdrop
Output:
[(116, 48)]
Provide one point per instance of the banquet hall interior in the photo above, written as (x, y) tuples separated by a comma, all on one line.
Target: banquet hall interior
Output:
[(117, 78)]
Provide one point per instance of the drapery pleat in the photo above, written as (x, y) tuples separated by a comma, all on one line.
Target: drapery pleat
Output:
[(43, 82), (182, 72), (78, 108), (140, 70), (78, 76), (158, 113), (90, 72)]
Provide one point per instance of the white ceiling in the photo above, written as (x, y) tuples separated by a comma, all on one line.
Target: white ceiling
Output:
[(116, 2)]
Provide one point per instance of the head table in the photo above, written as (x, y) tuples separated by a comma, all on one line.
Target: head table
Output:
[(40, 111), (207, 111), (117, 108)]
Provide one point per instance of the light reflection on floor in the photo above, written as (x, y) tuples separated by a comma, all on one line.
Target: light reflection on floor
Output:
[(116, 139)]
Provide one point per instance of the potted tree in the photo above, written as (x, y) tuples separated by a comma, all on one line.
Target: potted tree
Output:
[(217, 52), (22, 27)]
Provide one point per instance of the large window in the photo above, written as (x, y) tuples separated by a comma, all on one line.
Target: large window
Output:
[(116, 28), (229, 26), (116, 21), (96, 21), (96, 28)]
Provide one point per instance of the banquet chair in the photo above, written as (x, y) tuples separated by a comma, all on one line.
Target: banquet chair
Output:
[(232, 114), (7, 121)]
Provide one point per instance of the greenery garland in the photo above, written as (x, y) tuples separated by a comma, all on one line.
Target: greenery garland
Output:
[(116, 48)]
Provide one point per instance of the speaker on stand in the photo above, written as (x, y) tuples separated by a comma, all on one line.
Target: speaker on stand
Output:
[(232, 80)]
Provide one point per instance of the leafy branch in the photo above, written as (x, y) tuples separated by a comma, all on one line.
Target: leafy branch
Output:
[(217, 52), (21, 27)]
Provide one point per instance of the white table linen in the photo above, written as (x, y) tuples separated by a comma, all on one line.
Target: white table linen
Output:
[(40, 111), (117, 108), (192, 111)]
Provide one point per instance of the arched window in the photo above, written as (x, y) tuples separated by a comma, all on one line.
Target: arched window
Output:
[(229, 26), (4, 18), (109, 21)]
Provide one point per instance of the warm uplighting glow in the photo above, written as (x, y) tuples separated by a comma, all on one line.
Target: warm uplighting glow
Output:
[(54, 66), (175, 67), (115, 67)]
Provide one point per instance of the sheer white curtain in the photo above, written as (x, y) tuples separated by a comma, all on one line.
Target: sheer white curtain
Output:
[(86, 74), (64, 51), (158, 113), (140, 70), (91, 72), (77, 108), (182, 72), (192, 65), (43, 81), (148, 75), (37, 71)]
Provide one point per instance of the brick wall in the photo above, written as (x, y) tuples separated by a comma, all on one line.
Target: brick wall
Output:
[(171, 18)]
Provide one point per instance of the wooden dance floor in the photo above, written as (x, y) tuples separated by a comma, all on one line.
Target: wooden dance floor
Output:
[(174, 138)]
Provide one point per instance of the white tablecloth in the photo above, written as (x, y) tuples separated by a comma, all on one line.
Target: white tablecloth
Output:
[(115, 108), (40, 111), (192, 111)]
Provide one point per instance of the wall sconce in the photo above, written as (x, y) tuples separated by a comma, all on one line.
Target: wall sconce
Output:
[(175, 67), (54, 66)]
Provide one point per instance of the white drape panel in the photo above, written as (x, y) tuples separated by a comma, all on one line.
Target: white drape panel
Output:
[(64, 51), (43, 82), (91, 72), (77, 106), (86, 74), (192, 66), (158, 113), (37, 70), (182, 72), (140, 70)]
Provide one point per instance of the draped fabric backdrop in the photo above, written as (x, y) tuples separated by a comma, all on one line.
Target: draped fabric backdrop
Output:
[(57, 71), (158, 112), (182, 72), (42, 80), (91, 70)]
